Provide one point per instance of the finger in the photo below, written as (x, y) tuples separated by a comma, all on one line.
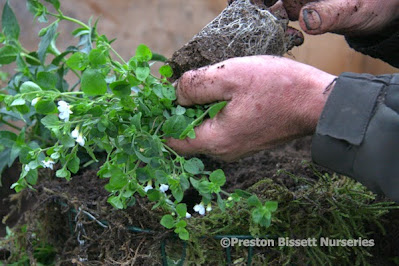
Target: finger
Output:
[(205, 85), (293, 7), (294, 37), (207, 136), (328, 16), (278, 10)]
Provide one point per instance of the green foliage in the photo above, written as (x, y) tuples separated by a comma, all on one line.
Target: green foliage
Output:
[(328, 206), (9, 23), (27, 252), (117, 111), (93, 83)]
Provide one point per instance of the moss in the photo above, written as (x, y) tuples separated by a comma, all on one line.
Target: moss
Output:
[(330, 206)]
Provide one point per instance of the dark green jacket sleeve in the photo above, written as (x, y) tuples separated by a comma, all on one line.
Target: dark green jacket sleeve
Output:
[(358, 131), (383, 45)]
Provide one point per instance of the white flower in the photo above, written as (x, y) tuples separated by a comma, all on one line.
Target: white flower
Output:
[(188, 216), (80, 140), (148, 187), (208, 208), (48, 164), (65, 110), (27, 168), (200, 208), (34, 101), (163, 188), (75, 133)]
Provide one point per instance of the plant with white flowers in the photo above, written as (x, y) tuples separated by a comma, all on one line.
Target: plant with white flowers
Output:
[(117, 113)]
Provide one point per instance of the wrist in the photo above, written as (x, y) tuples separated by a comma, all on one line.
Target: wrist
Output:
[(320, 86)]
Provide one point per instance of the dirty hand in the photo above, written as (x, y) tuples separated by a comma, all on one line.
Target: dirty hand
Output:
[(349, 17), (270, 100)]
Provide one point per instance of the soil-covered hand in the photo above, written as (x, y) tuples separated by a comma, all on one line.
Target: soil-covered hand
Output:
[(270, 100), (349, 17)]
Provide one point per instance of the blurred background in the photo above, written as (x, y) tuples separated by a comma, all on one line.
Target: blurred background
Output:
[(166, 25)]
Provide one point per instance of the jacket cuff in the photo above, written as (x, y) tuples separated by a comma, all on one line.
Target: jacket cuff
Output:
[(344, 121), (357, 133)]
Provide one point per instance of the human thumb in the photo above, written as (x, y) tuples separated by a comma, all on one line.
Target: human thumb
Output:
[(323, 16)]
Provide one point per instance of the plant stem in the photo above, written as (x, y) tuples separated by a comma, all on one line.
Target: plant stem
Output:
[(72, 93), (116, 53), (74, 86), (31, 57), (9, 124), (63, 17), (225, 193), (171, 150)]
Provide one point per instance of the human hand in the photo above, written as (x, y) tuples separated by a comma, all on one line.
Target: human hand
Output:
[(271, 100), (348, 17)]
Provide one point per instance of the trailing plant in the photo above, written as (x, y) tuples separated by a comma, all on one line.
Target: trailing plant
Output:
[(115, 108)]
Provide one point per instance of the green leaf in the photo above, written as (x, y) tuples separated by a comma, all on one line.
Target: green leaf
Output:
[(8, 54), (142, 73), (169, 92), (98, 57), (46, 80), (271, 205), (217, 177), (9, 23), (32, 61), (118, 179), (121, 88), (45, 106), (115, 202), (93, 83), (254, 201), (143, 53), (257, 215), (194, 166), (175, 125), (55, 3), (184, 183), (181, 209), (28, 87), (45, 42), (180, 110), (158, 57), (188, 131), (184, 235), (168, 221), (63, 173), (178, 193), (78, 61), (73, 164), (180, 225), (31, 177), (7, 138), (166, 71), (51, 122), (145, 174), (18, 101), (153, 195), (191, 134), (221, 203), (214, 109), (242, 193), (204, 187), (157, 89), (195, 183)]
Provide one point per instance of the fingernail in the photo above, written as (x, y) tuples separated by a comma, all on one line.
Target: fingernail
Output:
[(312, 19)]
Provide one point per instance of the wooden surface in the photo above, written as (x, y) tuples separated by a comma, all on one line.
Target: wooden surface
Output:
[(165, 25)]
